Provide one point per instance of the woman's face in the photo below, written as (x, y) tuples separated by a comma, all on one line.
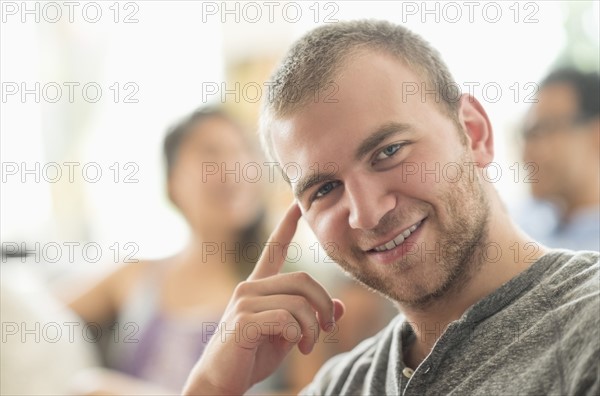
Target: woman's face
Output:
[(209, 181)]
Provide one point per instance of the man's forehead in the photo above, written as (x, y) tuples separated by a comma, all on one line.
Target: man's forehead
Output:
[(303, 156), (369, 92), (295, 145)]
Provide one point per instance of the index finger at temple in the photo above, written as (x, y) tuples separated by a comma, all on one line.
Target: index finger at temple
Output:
[(273, 255)]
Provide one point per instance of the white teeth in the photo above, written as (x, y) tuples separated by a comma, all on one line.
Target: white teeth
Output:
[(398, 240)]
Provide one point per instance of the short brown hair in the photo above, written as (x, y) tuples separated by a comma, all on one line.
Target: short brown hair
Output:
[(317, 56)]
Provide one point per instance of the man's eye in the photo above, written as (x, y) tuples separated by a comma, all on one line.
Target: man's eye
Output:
[(325, 189), (388, 151)]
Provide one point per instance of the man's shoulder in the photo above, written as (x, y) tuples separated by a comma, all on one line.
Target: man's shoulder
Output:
[(567, 293), (572, 260), (572, 275), (576, 318), (571, 287), (574, 283)]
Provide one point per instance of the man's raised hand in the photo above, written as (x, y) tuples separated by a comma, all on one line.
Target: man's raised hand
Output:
[(267, 315)]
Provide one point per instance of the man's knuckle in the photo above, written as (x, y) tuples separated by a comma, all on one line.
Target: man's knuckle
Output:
[(242, 289), (302, 276), (283, 317)]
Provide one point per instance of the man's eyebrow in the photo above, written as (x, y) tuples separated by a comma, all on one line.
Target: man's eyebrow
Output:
[(311, 180), (381, 134)]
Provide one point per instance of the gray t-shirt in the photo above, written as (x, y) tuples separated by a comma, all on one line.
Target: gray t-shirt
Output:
[(538, 334)]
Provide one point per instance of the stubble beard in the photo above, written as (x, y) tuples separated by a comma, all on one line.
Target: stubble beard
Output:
[(458, 252)]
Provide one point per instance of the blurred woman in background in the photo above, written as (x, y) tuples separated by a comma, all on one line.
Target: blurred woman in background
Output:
[(169, 307)]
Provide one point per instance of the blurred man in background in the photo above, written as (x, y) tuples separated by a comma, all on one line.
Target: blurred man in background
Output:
[(562, 146)]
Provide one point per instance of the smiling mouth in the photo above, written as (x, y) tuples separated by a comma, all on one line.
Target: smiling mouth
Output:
[(398, 240)]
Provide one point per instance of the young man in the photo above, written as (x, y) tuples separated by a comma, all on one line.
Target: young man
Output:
[(393, 182), (562, 139)]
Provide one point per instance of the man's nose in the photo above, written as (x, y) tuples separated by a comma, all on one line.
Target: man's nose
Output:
[(368, 201)]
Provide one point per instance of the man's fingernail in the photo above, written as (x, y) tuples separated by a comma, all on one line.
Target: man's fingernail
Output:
[(310, 348), (329, 326)]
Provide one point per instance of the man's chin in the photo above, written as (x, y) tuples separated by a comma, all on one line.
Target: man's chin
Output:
[(394, 285)]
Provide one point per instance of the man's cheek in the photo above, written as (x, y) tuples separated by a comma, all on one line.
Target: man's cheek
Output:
[(326, 224), (322, 228)]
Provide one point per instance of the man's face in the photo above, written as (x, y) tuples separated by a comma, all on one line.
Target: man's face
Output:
[(557, 153), (379, 166)]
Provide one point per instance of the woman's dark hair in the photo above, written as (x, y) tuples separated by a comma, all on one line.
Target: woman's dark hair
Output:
[(251, 238), (178, 133)]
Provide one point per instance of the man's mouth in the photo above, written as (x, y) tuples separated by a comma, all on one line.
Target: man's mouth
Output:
[(398, 239)]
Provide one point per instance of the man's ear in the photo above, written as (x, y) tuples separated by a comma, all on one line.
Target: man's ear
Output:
[(478, 128)]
